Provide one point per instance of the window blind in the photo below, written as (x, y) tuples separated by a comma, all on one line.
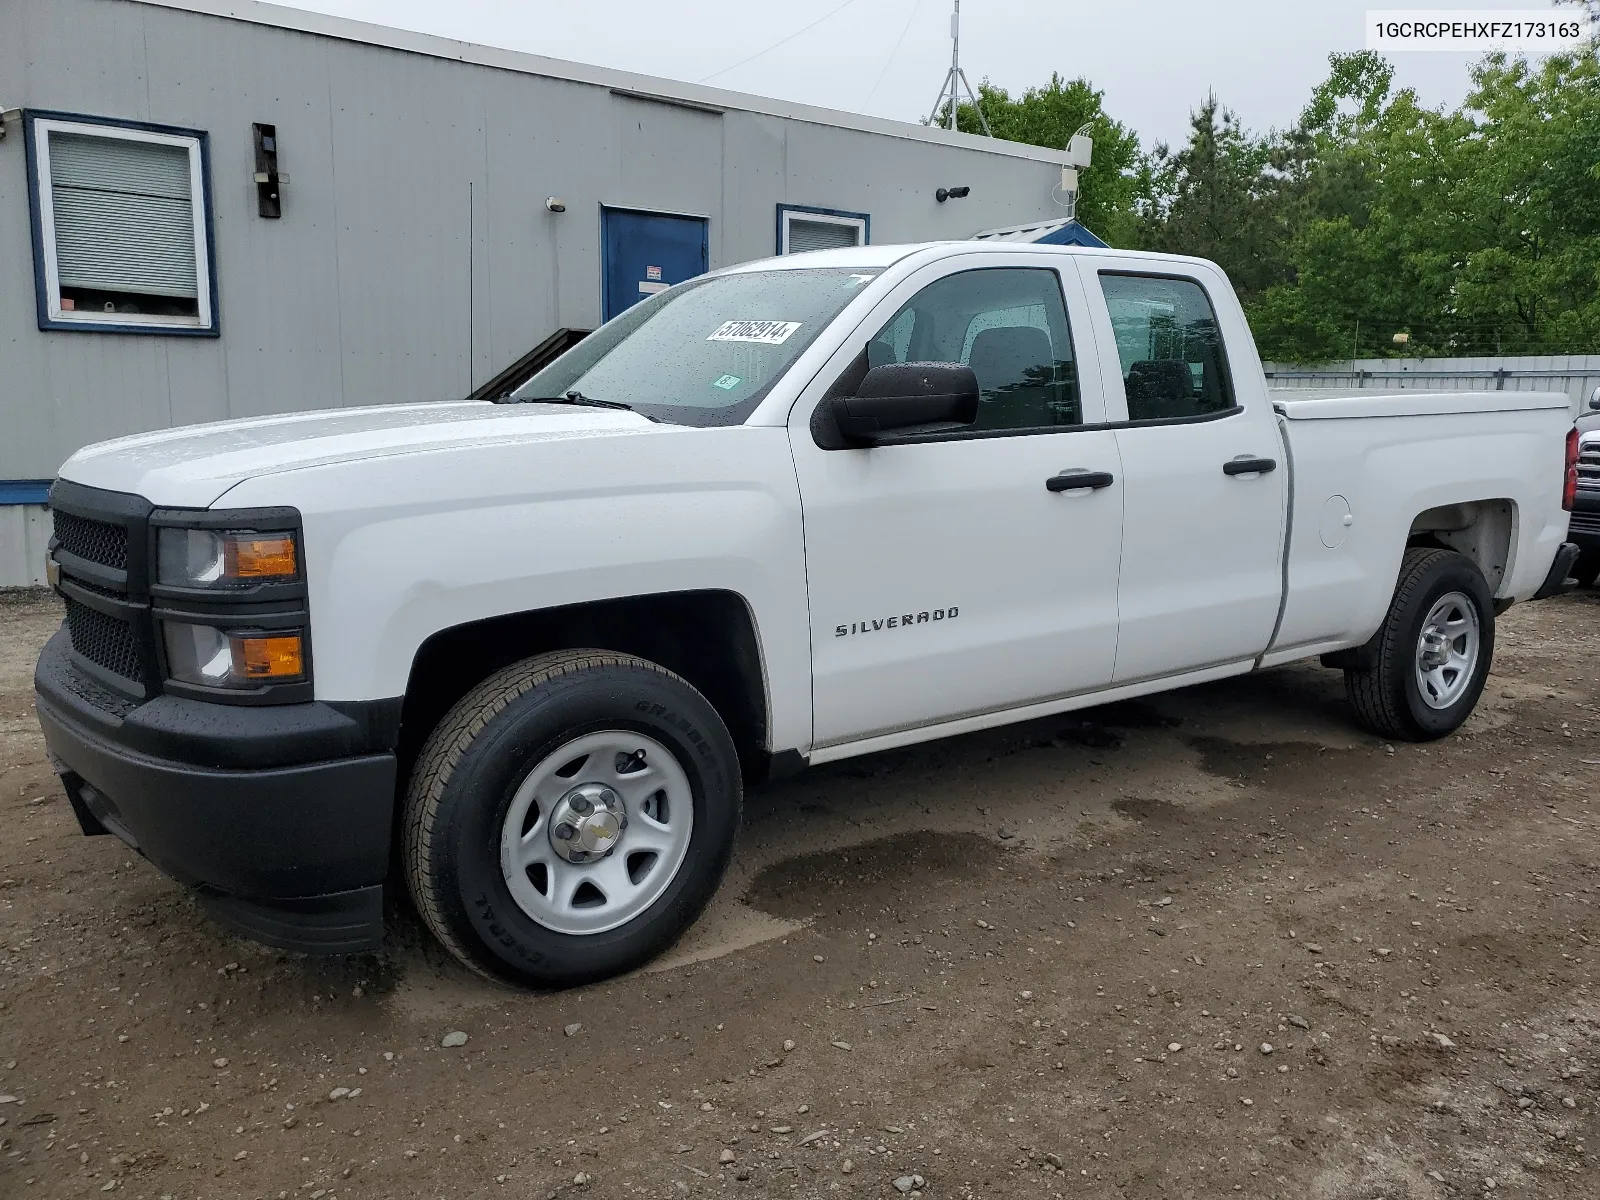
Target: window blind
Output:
[(124, 215), (821, 235)]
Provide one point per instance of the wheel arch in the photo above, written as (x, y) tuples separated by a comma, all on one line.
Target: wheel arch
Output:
[(710, 638), (1485, 531)]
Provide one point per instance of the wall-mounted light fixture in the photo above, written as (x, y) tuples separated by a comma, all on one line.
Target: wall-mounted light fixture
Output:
[(268, 179), (556, 204), (955, 193), (7, 115)]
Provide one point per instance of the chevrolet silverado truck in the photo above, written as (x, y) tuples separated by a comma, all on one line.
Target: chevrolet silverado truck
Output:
[(525, 656)]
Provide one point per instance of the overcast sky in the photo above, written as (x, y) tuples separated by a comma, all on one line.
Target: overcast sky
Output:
[(1154, 59)]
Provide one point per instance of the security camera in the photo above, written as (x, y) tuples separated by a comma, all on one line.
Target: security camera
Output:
[(955, 193), (556, 204), (7, 114)]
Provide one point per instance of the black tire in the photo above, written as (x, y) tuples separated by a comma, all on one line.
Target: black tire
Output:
[(469, 770), (1386, 695), (1587, 568)]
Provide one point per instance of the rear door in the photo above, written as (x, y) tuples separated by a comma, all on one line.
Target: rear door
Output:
[(1205, 478), (645, 252), (946, 579)]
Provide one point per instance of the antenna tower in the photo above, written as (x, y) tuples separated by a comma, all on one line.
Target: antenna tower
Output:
[(955, 80)]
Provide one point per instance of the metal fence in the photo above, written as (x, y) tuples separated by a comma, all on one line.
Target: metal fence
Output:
[(1575, 374)]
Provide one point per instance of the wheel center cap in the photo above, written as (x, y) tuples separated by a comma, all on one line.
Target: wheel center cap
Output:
[(587, 823), (1435, 647), (599, 833)]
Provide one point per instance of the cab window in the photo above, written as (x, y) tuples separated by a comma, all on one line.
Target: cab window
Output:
[(1169, 347), (1010, 326)]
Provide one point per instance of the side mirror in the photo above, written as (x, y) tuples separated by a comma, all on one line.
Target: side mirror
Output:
[(903, 395), (1594, 399)]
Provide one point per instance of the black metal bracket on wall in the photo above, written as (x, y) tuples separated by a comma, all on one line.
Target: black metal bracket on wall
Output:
[(269, 201)]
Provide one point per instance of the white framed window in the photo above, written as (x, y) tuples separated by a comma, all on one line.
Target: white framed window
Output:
[(121, 226), (801, 228)]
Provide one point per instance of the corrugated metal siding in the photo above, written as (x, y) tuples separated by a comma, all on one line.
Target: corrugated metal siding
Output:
[(1575, 374), (415, 257), (24, 537)]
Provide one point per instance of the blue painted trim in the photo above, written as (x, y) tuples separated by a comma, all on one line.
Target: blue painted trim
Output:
[(24, 491), (41, 297), (864, 218)]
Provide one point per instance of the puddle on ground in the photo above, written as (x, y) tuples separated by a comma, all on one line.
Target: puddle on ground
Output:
[(1278, 764), (1150, 810), (869, 873)]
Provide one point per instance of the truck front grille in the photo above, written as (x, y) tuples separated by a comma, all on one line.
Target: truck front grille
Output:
[(94, 541), (1589, 465), (105, 641)]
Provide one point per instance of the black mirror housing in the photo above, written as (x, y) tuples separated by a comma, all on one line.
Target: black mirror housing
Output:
[(904, 395)]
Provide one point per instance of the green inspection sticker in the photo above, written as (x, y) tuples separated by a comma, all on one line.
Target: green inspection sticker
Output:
[(727, 383)]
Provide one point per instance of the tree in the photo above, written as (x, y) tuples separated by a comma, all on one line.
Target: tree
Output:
[(1049, 116), (1216, 198), (1473, 232)]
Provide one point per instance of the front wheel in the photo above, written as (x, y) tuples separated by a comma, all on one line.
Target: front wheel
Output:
[(570, 817), (1433, 650)]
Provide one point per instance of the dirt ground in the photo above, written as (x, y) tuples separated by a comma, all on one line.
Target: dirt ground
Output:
[(1216, 944)]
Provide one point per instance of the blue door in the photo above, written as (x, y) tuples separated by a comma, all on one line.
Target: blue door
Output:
[(644, 253)]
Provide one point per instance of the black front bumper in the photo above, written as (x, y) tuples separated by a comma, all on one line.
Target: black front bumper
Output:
[(280, 817)]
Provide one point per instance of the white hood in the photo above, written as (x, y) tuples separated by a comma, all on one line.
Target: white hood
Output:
[(192, 467)]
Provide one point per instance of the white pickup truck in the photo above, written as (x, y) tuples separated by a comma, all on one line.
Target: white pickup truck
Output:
[(527, 654)]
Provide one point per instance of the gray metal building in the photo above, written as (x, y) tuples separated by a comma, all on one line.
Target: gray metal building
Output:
[(221, 208)]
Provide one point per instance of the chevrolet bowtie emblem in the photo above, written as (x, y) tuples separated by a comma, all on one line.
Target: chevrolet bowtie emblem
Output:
[(52, 571)]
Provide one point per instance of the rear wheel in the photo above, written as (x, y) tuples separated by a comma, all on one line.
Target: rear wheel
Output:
[(570, 817), (1432, 653)]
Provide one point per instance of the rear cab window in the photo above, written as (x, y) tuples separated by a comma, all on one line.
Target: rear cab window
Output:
[(1169, 348)]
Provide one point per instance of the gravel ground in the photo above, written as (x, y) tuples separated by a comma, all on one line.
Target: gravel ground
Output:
[(1216, 944)]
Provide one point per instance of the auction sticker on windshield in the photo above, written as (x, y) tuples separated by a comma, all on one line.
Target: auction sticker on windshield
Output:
[(765, 333)]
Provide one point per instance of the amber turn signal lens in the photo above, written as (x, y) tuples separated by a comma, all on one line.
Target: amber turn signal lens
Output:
[(264, 556), (277, 657)]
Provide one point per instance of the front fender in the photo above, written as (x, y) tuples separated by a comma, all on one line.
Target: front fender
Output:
[(401, 548)]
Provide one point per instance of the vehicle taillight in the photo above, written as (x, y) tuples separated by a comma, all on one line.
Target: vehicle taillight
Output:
[(1569, 484)]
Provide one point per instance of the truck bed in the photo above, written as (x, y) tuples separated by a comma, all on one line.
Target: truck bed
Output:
[(1475, 465)]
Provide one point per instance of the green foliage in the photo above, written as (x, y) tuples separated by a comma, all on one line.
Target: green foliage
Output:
[(1049, 116), (1215, 199), (1474, 231)]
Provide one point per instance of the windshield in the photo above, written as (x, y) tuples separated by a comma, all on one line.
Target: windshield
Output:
[(704, 352)]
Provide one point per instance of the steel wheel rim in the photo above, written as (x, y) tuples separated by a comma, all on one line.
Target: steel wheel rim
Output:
[(654, 809), (1447, 650)]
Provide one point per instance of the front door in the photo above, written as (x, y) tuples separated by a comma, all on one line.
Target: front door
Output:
[(644, 253), (947, 577)]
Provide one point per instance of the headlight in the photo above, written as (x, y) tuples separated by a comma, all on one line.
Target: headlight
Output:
[(220, 658), (206, 558)]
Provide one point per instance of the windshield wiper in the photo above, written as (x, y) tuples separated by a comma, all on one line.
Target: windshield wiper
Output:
[(577, 397)]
